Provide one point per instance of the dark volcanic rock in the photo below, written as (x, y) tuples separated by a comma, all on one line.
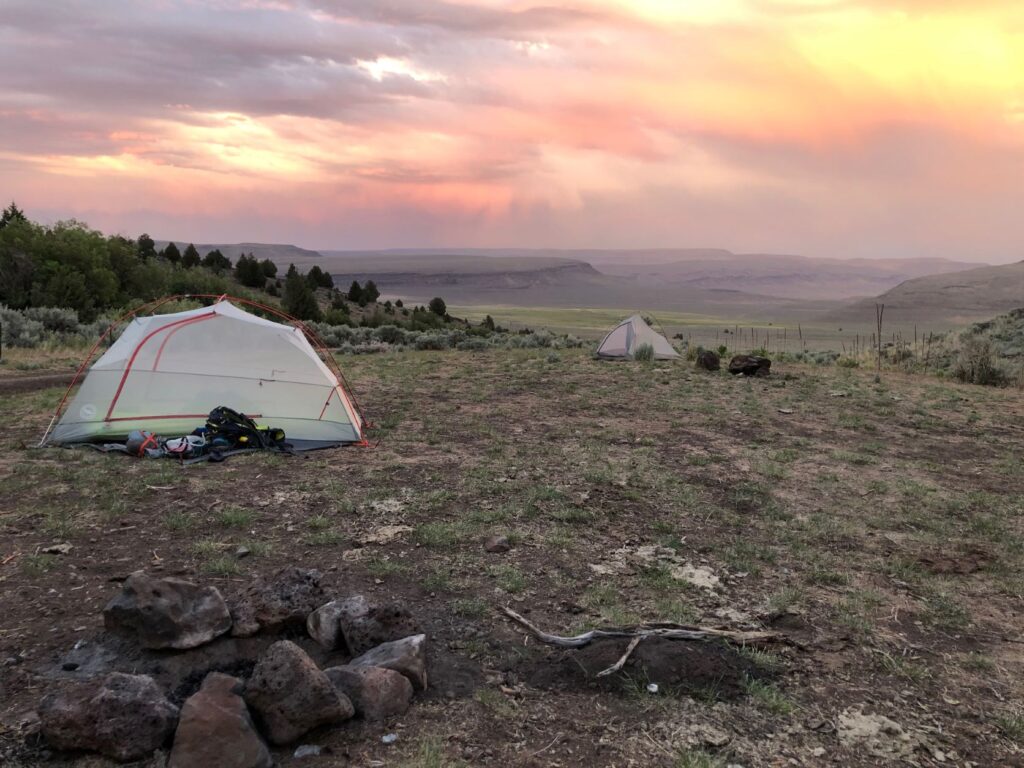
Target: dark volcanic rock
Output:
[(709, 361), (750, 365), (124, 717), (375, 692), (167, 613), (291, 695), (357, 625), (215, 729), (272, 603), (407, 656)]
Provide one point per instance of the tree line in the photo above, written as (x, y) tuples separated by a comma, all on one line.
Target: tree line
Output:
[(70, 265)]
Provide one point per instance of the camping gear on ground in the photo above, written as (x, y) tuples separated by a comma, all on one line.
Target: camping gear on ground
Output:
[(140, 443), (166, 373), (623, 341), (225, 433)]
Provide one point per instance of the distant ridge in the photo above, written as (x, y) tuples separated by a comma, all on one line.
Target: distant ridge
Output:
[(965, 296)]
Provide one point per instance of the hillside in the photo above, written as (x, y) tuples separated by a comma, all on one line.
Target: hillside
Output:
[(765, 274), (959, 297), (280, 254)]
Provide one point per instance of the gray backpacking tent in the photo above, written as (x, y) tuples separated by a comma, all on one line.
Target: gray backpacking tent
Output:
[(629, 335)]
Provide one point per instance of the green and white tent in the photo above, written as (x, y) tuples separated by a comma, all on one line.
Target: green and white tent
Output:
[(167, 372), (624, 339)]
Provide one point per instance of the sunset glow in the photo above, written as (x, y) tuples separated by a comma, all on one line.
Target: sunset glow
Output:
[(823, 127)]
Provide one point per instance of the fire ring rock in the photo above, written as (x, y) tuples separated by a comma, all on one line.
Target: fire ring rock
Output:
[(284, 599), (407, 656), (375, 692), (125, 717), (215, 729), (357, 625), (292, 695), (167, 613)]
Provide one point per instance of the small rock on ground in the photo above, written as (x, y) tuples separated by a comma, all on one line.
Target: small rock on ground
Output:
[(497, 544)]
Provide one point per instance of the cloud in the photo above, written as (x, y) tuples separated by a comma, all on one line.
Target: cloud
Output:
[(817, 126)]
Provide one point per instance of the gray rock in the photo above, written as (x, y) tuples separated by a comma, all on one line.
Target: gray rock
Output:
[(375, 692), (307, 750), (124, 717), (273, 603), (215, 729), (407, 656), (497, 544), (167, 613), (291, 695), (356, 625)]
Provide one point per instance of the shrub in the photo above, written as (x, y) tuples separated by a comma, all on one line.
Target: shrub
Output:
[(390, 334), (19, 330), (977, 363), (432, 341), (644, 353), (54, 318)]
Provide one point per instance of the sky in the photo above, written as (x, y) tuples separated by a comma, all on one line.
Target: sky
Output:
[(838, 128)]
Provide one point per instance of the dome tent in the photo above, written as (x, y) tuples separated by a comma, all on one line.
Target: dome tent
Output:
[(624, 339), (167, 372)]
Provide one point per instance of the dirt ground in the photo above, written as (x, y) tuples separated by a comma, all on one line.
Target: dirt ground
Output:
[(877, 526)]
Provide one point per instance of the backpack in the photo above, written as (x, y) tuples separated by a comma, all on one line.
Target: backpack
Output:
[(237, 429)]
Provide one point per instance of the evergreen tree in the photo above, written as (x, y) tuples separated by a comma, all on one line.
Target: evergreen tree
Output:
[(292, 271), (318, 278), (11, 213), (147, 248), (171, 253), (438, 307), (217, 261), (488, 323), (249, 272), (269, 268), (190, 258), (370, 292), (399, 303), (355, 291), (299, 299)]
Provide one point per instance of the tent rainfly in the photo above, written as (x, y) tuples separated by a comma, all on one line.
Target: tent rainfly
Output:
[(629, 335), (167, 372)]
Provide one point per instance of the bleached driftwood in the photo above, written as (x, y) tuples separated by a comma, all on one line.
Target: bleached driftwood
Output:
[(665, 630)]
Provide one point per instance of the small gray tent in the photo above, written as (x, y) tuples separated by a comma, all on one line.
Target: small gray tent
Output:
[(629, 335)]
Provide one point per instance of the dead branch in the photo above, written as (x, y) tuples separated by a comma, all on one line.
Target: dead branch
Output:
[(622, 659), (665, 630)]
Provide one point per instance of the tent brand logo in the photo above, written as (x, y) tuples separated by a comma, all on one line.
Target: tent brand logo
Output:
[(87, 411)]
